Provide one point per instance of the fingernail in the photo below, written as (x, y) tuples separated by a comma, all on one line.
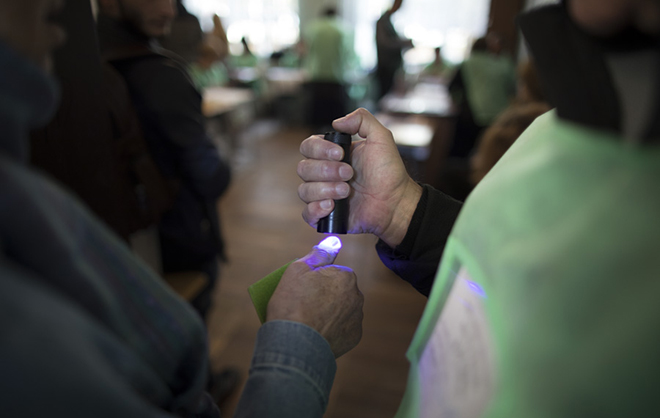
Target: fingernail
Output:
[(343, 189), (326, 204), (336, 154), (345, 172)]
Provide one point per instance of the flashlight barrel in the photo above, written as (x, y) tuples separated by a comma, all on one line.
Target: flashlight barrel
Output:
[(337, 221)]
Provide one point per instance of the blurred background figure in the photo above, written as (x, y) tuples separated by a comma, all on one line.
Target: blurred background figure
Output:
[(169, 108), (461, 173), (208, 70), (528, 87), (438, 70), (389, 46), (482, 88), (246, 58), (329, 54), (185, 36), (217, 39)]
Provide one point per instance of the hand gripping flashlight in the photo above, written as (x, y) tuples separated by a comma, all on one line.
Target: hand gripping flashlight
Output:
[(337, 221)]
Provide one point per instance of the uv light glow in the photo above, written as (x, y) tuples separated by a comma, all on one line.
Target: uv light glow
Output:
[(331, 244)]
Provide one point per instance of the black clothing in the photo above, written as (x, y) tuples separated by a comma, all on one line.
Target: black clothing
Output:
[(169, 108), (588, 79), (388, 47), (416, 259), (186, 36)]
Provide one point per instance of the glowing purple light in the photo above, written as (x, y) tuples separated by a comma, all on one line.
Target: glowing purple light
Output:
[(476, 288), (331, 244)]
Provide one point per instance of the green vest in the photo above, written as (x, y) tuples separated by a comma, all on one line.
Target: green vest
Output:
[(546, 303)]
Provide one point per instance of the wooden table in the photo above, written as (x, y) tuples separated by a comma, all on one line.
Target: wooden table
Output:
[(228, 111), (219, 100)]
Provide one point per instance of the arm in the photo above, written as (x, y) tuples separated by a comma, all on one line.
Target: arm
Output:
[(291, 374), (172, 108), (314, 316), (384, 200), (387, 37), (416, 259)]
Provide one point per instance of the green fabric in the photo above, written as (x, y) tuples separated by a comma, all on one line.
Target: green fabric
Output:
[(563, 237), (330, 52), (490, 84), (214, 76), (261, 291), (243, 60)]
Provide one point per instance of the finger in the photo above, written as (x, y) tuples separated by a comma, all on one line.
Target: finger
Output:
[(317, 210), (312, 192), (324, 253), (319, 149), (321, 170), (360, 122)]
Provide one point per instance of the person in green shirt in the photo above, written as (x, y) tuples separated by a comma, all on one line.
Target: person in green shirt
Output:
[(327, 62), (439, 69), (246, 58)]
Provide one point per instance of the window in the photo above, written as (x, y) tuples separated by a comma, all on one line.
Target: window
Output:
[(451, 24), (268, 25)]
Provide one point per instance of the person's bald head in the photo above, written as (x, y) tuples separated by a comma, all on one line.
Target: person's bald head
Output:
[(152, 18), (608, 17), (25, 26)]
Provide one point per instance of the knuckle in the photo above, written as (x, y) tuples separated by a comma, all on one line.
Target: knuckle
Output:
[(302, 189), (306, 217), (304, 146), (302, 168)]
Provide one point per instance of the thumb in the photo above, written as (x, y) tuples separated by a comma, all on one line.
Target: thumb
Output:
[(363, 123), (324, 253)]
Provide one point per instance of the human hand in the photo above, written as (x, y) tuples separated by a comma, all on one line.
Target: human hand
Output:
[(323, 296), (382, 196)]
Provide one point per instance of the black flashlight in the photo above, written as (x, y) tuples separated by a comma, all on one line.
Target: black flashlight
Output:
[(337, 221)]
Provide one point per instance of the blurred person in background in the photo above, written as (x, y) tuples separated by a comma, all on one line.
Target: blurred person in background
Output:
[(543, 292), (482, 87), (91, 330), (169, 108), (246, 58), (529, 88), (208, 70), (438, 70), (389, 48), (217, 39), (329, 55)]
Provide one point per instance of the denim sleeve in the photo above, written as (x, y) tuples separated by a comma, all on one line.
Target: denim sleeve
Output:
[(291, 374), (416, 259)]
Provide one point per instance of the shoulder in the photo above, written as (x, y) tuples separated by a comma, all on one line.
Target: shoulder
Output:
[(159, 80)]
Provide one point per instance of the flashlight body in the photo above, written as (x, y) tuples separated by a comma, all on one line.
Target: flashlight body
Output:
[(337, 221)]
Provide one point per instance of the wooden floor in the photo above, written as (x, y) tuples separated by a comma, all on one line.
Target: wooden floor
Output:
[(263, 228)]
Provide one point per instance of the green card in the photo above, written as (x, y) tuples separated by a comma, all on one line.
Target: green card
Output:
[(261, 291)]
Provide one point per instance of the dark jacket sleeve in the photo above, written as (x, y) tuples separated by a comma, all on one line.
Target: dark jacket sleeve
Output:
[(416, 259), (172, 108)]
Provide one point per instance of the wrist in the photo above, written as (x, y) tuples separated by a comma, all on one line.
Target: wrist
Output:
[(403, 212)]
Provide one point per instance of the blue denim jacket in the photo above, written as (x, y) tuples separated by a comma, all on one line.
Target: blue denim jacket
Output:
[(291, 373)]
